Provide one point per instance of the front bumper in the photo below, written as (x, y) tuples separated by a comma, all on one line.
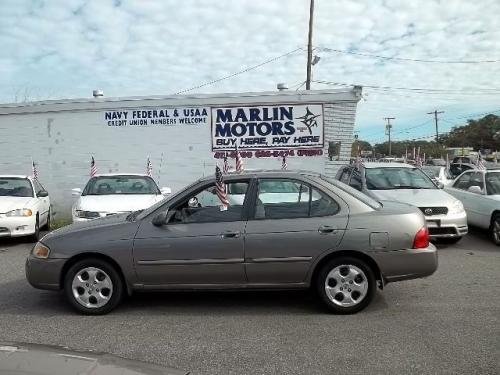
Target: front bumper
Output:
[(447, 226), (17, 226), (44, 273), (406, 264)]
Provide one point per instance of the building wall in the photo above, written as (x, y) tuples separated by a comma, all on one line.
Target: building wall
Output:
[(62, 143)]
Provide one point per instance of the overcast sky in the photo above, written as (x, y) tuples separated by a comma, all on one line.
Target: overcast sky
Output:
[(65, 48)]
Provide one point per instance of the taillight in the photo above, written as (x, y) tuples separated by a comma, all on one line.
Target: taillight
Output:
[(421, 239)]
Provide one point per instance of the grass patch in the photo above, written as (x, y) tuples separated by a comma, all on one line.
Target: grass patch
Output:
[(59, 223)]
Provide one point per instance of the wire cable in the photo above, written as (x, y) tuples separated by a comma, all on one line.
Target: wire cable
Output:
[(239, 72)]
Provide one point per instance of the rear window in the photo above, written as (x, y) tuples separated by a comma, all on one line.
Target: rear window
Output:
[(355, 193)]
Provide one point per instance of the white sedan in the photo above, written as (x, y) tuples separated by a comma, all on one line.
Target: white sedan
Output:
[(109, 194), (24, 207), (479, 191)]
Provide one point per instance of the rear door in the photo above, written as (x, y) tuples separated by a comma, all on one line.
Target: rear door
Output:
[(292, 222)]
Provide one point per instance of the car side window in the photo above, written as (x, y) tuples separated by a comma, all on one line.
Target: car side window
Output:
[(355, 181), (38, 186), (463, 182), (476, 179), (344, 177), (205, 206), (290, 199)]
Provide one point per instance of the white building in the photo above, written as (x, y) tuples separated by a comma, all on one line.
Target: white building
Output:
[(183, 135)]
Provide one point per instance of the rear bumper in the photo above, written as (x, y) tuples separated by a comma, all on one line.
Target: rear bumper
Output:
[(44, 273), (406, 264), (447, 226)]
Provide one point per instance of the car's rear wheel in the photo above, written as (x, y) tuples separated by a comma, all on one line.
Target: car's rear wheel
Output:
[(495, 229), (346, 285), (93, 286)]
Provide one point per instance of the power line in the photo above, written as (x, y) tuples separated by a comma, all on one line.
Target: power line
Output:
[(363, 54), (417, 89), (239, 72)]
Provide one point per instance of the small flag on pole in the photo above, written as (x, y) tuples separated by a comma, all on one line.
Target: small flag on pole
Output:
[(480, 161), (418, 160), (34, 170), (447, 162), (225, 167), (93, 167), (221, 188), (359, 160), (284, 166), (149, 167), (239, 162)]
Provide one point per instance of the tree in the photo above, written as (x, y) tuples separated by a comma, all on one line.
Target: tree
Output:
[(479, 134), (363, 146)]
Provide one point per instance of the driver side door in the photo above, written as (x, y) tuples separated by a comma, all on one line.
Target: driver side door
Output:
[(200, 244)]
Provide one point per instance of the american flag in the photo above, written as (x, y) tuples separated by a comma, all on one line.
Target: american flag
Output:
[(220, 187), (284, 166), (149, 168), (225, 167), (480, 162), (239, 161), (93, 168), (418, 160), (447, 162), (34, 170)]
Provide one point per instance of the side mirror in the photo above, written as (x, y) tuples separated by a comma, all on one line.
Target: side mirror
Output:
[(160, 219), (42, 194), (76, 192), (440, 185), (475, 189), (166, 190)]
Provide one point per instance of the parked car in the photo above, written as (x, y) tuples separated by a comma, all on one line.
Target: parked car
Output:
[(110, 194), (445, 215), (436, 162), (438, 174), (457, 169), (479, 191), (24, 206), (338, 241)]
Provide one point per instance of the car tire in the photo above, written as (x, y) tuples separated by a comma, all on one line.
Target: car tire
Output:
[(495, 229), (47, 224), (346, 285), (93, 286), (36, 236)]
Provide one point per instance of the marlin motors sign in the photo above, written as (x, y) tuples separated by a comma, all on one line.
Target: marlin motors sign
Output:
[(259, 127)]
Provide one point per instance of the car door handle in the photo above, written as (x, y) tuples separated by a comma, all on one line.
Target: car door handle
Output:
[(230, 234), (326, 229)]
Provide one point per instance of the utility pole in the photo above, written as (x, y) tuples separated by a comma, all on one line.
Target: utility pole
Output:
[(436, 113), (388, 128), (309, 46)]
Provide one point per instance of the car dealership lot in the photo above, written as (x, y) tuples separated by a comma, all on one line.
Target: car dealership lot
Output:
[(447, 323)]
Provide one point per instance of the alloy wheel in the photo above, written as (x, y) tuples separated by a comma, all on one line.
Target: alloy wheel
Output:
[(346, 285), (496, 231), (92, 287)]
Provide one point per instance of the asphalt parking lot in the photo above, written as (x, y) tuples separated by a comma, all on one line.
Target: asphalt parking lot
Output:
[(448, 323)]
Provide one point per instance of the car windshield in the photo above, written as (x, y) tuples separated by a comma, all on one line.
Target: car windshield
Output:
[(15, 187), (388, 178), (111, 185), (431, 171), (493, 183)]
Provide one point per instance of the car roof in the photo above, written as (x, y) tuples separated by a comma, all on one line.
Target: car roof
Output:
[(120, 174), (14, 176), (373, 164), (255, 173)]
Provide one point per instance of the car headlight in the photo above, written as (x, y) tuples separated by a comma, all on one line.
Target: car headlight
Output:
[(20, 212), (40, 251), (87, 214), (456, 208)]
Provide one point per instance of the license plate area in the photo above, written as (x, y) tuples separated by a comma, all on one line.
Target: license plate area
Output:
[(434, 223)]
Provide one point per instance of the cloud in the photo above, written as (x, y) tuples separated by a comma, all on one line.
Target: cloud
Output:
[(67, 48)]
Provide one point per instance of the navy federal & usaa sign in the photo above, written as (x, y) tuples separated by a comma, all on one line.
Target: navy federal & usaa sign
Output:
[(271, 126)]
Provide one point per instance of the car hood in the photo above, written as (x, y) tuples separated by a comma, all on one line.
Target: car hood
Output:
[(416, 197), (30, 359), (116, 202), (13, 203)]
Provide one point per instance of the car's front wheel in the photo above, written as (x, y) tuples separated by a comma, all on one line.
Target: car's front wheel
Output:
[(36, 235), (346, 285), (93, 286), (495, 229)]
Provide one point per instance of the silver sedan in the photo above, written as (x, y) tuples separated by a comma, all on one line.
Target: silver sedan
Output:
[(280, 230)]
